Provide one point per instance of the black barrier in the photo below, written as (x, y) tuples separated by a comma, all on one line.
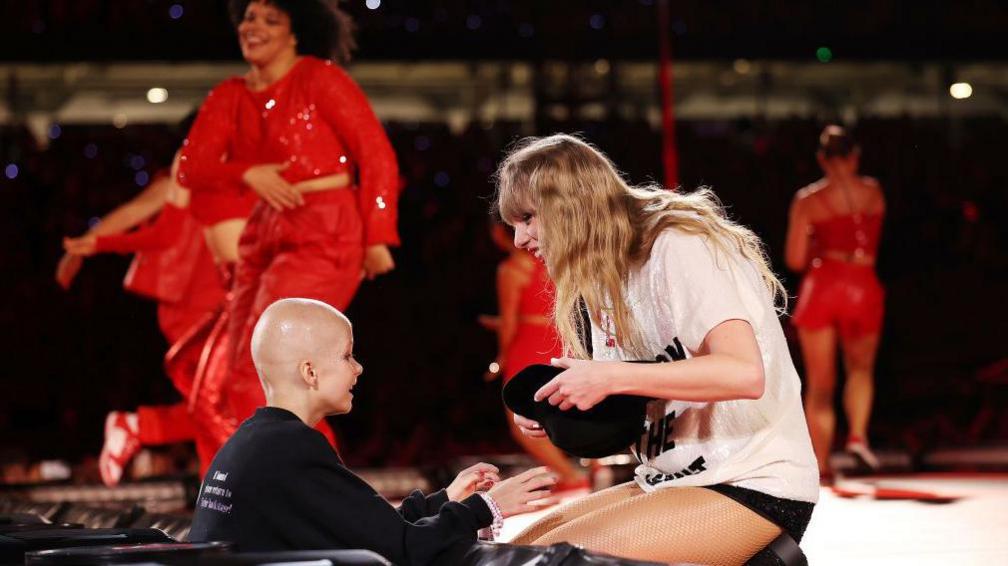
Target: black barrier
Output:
[(13, 546), (334, 557), (24, 528), (160, 553), (561, 554), (100, 517)]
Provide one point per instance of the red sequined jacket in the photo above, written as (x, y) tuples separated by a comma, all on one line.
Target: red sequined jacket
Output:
[(315, 119)]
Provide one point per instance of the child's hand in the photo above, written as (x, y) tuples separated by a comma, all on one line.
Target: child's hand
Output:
[(528, 491), (480, 477)]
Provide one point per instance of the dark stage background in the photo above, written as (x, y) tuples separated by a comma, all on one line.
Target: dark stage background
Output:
[(66, 358)]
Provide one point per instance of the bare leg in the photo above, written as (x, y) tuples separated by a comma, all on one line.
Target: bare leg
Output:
[(859, 391), (575, 509), (859, 361), (688, 524), (543, 450), (819, 353)]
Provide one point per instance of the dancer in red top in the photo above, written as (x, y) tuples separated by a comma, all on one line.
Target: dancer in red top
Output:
[(174, 267), (833, 236), (525, 336), (299, 133)]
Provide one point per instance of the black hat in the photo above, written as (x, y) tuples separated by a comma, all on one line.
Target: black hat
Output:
[(607, 428)]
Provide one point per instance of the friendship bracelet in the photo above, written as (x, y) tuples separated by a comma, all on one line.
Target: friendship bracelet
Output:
[(494, 530)]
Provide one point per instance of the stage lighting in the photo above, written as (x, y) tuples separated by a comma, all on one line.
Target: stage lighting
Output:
[(959, 91), (157, 95)]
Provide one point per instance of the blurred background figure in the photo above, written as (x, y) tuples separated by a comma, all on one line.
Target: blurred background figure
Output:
[(173, 266), (525, 336), (834, 229)]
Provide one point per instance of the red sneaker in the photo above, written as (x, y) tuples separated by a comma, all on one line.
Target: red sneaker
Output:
[(122, 442)]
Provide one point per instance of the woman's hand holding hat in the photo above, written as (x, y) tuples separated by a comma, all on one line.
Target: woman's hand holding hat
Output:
[(583, 384), (543, 399)]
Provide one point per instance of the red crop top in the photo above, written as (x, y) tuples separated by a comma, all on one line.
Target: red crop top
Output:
[(851, 233)]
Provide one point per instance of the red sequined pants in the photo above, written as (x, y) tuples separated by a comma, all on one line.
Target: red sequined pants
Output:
[(314, 251), (166, 424)]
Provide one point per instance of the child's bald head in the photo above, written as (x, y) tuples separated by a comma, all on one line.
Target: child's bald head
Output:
[(303, 349)]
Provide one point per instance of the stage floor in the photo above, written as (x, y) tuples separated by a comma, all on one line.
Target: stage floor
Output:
[(972, 529)]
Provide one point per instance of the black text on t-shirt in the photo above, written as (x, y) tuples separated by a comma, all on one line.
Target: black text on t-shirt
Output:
[(656, 439), (673, 352)]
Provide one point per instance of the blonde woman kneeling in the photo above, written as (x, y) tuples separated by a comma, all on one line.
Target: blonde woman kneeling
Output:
[(725, 458)]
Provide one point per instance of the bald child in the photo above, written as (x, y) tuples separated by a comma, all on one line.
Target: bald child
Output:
[(277, 484)]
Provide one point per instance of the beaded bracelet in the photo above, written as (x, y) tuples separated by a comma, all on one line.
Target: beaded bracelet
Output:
[(494, 530)]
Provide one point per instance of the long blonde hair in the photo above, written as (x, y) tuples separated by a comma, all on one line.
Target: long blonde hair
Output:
[(594, 229)]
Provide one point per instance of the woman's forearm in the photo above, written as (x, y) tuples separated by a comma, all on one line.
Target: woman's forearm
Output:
[(122, 219), (711, 377), (136, 210)]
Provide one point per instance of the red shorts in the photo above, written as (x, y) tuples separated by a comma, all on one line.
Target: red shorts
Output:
[(842, 295)]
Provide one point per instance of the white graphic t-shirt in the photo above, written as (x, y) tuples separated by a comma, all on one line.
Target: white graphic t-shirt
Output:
[(686, 288)]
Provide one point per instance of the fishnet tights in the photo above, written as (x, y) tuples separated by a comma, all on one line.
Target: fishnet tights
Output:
[(687, 524)]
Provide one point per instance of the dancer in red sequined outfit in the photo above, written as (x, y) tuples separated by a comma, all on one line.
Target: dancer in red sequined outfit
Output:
[(174, 267), (300, 134), (833, 237)]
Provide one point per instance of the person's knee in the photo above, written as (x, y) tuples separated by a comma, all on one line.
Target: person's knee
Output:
[(859, 362), (820, 371), (819, 395), (859, 368), (820, 387)]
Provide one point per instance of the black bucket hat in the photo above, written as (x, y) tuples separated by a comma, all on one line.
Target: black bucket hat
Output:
[(607, 428)]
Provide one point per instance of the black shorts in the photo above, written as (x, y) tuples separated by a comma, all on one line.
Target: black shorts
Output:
[(790, 515)]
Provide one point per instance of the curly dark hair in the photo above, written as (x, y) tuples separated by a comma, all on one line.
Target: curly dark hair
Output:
[(322, 29)]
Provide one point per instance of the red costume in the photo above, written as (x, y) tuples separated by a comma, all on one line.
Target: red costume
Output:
[(316, 120), (536, 339), (174, 267), (840, 293)]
